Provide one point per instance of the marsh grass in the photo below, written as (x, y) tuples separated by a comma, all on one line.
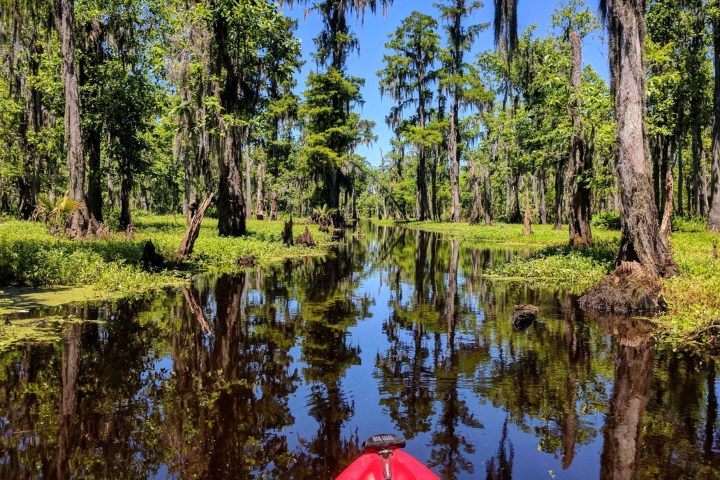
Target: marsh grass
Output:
[(693, 297), (30, 256)]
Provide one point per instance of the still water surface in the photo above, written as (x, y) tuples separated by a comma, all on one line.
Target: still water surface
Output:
[(281, 373)]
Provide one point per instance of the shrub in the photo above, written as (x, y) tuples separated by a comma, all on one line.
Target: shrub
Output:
[(689, 223), (607, 220)]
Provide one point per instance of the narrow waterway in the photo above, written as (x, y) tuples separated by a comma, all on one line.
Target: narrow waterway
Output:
[(281, 373)]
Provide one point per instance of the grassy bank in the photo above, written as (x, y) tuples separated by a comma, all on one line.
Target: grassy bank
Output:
[(110, 267), (693, 297)]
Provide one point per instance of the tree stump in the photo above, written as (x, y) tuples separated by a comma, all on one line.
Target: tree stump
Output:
[(528, 222), (287, 234), (188, 242), (629, 290), (151, 260), (306, 238), (523, 316), (247, 261)]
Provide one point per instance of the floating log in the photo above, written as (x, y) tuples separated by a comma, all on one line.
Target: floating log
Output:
[(523, 316)]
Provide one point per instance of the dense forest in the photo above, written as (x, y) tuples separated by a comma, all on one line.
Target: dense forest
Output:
[(124, 105)]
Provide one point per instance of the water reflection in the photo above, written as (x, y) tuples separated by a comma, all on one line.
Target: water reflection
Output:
[(281, 373), (620, 459)]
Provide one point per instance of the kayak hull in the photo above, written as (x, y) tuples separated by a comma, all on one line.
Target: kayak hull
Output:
[(404, 467)]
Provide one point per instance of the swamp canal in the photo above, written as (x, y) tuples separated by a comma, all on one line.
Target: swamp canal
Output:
[(282, 372)]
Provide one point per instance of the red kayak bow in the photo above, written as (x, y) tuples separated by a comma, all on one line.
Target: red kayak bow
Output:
[(382, 460)]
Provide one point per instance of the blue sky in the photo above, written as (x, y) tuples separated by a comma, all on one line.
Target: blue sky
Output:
[(373, 33)]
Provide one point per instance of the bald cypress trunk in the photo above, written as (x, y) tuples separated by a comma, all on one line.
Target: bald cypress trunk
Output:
[(640, 242), (580, 159), (231, 202), (454, 160), (644, 255), (714, 214), (64, 19)]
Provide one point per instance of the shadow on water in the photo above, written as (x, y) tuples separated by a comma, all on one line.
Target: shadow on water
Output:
[(282, 372)]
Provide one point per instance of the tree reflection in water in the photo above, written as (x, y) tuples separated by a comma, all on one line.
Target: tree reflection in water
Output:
[(620, 458), (259, 375)]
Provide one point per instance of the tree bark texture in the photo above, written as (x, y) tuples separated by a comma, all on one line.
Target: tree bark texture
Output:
[(73, 133), (640, 238), (188, 242), (476, 213), (714, 214), (580, 164), (454, 161), (248, 178), (560, 166), (231, 201), (259, 197), (91, 60)]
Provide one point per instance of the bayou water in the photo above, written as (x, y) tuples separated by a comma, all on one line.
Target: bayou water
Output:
[(282, 372)]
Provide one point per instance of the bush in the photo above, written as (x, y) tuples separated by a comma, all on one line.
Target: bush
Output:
[(607, 220), (689, 223)]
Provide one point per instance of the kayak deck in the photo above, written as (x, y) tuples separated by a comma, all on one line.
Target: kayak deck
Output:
[(369, 466)]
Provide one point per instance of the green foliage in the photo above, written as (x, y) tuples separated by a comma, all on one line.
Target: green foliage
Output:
[(689, 224), (607, 220), (30, 256), (58, 213)]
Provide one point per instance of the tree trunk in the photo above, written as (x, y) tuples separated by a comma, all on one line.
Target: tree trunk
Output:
[(543, 210), (680, 208), (111, 191), (273, 205), (487, 197), (666, 224), (92, 58), (697, 197), (476, 212), (188, 242), (580, 163), (714, 213), (248, 177), (231, 202), (640, 241), (434, 211), (73, 133), (454, 161), (259, 197), (94, 197), (126, 184), (559, 190)]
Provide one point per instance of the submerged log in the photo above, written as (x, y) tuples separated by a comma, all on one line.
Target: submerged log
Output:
[(629, 290), (523, 316), (306, 239), (188, 242)]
